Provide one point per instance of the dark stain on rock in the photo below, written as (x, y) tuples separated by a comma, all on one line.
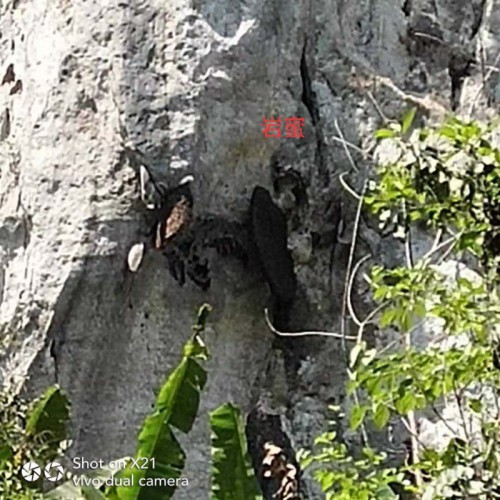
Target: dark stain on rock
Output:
[(327, 232), (162, 123), (308, 95), (310, 102), (407, 5), (150, 56), (86, 102), (478, 10), (27, 227), (69, 66), (2, 283), (5, 129), (17, 88), (15, 232), (460, 66), (10, 75)]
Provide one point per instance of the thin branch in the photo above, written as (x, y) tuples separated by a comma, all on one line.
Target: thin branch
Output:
[(398, 339), (345, 300), (347, 187), (377, 107), (420, 34), (483, 85), (494, 69), (348, 144), (411, 414), (445, 422), (413, 434), (303, 334), (350, 263), (437, 240), (375, 311), (408, 248), (427, 103), (497, 405), (461, 411), (346, 149), (415, 442), (450, 249), (349, 289), (436, 248), (368, 319)]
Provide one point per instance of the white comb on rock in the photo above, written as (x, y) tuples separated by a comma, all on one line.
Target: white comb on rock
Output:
[(135, 256)]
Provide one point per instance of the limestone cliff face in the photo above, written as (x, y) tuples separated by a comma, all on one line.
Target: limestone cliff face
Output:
[(93, 88)]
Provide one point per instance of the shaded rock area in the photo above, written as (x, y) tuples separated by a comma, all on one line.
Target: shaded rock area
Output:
[(91, 90)]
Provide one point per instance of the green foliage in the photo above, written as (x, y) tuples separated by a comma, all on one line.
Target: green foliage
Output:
[(176, 407), (159, 456), (88, 487), (48, 419), (344, 477), (411, 380), (446, 181), (232, 475), (446, 178), (29, 433)]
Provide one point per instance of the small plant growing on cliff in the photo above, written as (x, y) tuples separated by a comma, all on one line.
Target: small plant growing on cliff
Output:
[(29, 433), (158, 451), (444, 181)]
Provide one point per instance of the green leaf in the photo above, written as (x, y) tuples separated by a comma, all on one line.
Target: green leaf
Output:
[(388, 317), (357, 416), (76, 492), (68, 490), (476, 405), (90, 493), (381, 415), (408, 120), (406, 403), (385, 493), (6, 454), (232, 476), (84, 487), (384, 133), (48, 417), (176, 406), (156, 441)]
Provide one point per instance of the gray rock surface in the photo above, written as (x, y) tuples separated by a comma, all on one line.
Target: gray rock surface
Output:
[(187, 85)]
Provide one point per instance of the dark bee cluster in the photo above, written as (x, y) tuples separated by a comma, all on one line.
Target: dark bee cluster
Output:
[(188, 254), (188, 242), (268, 230)]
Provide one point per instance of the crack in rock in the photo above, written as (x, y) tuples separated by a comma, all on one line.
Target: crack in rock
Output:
[(310, 101)]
